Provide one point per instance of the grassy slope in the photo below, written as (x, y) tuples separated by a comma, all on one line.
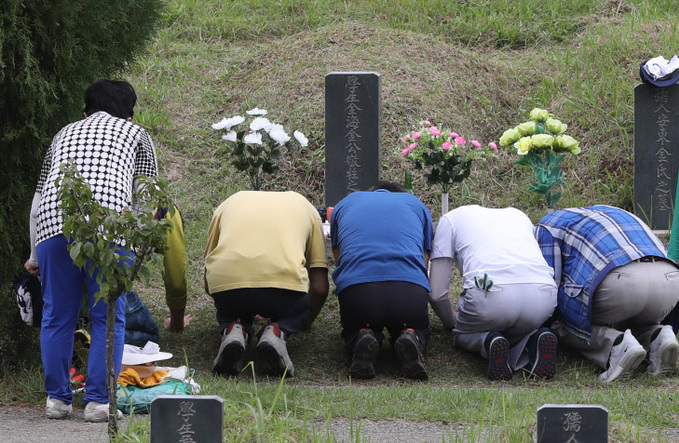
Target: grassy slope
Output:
[(476, 67)]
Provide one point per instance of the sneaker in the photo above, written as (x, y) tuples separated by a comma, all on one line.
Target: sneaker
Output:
[(272, 354), (625, 358), (57, 409), (542, 355), (409, 352), (229, 359), (498, 357), (662, 359), (96, 412), (364, 355)]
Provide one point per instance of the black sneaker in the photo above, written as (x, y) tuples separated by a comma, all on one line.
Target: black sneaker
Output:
[(542, 355), (364, 355), (498, 357), (409, 352)]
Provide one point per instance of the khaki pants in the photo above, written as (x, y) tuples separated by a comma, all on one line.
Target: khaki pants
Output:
[(517, 311), (635, 296)]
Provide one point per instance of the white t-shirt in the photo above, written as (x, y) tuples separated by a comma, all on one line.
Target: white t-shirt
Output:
[(496, 242)]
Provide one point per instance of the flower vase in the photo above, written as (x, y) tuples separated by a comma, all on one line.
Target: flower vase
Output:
[(444, 203)]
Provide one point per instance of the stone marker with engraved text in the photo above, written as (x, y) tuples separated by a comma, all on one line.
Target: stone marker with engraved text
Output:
[(352, 133), (187, 419), (572, 424), (656, 153)]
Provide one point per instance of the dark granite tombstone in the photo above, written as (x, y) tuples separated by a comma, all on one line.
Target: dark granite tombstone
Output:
[(572, 423), (352, 133), (656, 153), (187, 418)]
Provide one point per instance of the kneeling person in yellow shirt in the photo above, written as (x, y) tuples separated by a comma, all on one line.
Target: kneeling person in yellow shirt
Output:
[(265, 256)]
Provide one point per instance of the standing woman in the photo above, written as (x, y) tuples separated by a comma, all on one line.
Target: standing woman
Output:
[(109, 151)]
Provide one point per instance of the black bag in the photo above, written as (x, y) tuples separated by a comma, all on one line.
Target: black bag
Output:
[(29, 299)]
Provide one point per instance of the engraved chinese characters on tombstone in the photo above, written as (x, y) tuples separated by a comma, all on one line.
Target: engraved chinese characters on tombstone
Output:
[(352, 133), (187, 419), (572, 424), (656, 153)]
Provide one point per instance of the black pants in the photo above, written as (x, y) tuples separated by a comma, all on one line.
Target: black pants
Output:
[(289, 309), (394, 305)]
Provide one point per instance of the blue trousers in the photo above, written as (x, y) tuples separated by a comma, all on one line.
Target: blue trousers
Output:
[(63, 285), (140, 327)]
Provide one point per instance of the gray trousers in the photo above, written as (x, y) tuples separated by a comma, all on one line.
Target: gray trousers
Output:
[(635, 296), (517, 311)]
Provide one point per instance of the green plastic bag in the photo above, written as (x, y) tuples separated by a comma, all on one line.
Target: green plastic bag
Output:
[(136, 400)]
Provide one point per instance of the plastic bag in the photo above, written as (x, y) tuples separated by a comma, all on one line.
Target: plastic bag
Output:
[(136, 400)]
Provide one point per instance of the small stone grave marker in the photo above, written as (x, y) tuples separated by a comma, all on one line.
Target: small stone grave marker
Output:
[(572, 424), (656, 153), (352, 133), (187, 419)]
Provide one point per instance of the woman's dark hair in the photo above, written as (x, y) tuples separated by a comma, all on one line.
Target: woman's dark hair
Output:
[(116, 97), (389, 186)]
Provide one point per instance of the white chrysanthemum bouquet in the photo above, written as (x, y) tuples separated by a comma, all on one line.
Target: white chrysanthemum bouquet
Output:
[(255, 148)]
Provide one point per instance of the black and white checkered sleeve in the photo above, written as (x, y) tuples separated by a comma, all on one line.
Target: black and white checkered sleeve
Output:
[(47, 164), (146, 162)]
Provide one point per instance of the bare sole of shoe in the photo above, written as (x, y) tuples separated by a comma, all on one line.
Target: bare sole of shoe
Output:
[(363, 360), (230, 360), (669, 353), (409, 355), (498, 367), (269, 361), (545, 364)]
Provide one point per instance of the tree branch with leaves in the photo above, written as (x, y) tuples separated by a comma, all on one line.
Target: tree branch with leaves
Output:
[(118, 246)]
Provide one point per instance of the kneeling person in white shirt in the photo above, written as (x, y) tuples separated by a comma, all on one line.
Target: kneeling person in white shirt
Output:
[(508, 289)]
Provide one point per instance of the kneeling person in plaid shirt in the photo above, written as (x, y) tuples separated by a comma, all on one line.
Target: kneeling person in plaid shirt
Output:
[(616, 286)]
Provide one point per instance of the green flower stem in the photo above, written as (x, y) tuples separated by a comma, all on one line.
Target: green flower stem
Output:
[(546, 167)]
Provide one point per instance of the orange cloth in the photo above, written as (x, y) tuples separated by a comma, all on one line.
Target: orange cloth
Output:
[(131, 377)]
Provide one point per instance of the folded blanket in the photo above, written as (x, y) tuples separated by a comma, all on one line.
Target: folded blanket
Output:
[(130, 377)]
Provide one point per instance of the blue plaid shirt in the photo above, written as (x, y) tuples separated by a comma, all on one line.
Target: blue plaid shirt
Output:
[(583, 245)]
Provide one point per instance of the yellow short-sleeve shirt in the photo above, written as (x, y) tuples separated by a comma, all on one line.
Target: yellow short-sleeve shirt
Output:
[(264, 240)]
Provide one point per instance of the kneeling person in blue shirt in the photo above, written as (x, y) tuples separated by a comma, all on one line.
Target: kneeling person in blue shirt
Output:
[(381, 241)]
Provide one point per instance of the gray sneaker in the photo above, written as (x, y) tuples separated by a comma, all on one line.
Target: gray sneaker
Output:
[(229, 359), (57, 409), (664, 351), (96, 412), (271, 353), (624, 359)]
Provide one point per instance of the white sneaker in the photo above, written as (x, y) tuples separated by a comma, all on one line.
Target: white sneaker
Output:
[(229, 358), (57, 409), (272, 354), (96, 412), (625, 358), (662, 358)]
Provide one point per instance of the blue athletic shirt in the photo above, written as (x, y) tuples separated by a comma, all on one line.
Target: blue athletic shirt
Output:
[(381, 236)]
